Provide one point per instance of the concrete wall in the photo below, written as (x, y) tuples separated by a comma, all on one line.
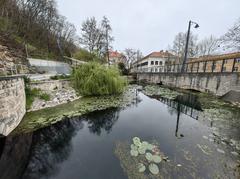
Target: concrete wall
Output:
[(52, 67), (216, 83), (12, 103)]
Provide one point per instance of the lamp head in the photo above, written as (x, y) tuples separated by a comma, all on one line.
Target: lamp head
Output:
[(196, 26)]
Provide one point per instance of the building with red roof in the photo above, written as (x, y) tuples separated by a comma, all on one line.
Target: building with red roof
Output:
[(115, 58), (153, 60)]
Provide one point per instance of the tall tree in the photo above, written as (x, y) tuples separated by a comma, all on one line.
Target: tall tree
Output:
[(208, 46), (179, 44), (231, 39), (96, 37), (106, 38), (90, 34), (132, 55)]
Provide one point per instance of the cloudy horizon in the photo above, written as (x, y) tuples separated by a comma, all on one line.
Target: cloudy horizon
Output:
[(151, 25)]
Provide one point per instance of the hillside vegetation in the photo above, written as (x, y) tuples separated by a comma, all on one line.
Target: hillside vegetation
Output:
[(38, 26)]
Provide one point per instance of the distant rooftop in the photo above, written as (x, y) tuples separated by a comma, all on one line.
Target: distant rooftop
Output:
[(216, 57), (115, 54)]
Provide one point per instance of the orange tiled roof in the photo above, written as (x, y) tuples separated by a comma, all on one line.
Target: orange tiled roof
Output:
[(160, 54), (115, 54)]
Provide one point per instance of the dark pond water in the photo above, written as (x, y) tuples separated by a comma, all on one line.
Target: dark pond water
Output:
[(83, 147)]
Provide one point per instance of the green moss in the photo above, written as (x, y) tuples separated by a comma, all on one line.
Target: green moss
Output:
[(44, 96), (31, 94)]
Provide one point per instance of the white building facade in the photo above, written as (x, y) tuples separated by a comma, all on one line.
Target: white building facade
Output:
[(154, 62)]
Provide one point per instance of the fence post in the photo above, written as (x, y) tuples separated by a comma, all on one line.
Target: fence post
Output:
[(198, 67), (223, 62), (234, 62), (212, 66), (192, 67), (205, 66)]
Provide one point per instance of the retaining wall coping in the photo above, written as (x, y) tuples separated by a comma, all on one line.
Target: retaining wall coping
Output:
[(3, 78)]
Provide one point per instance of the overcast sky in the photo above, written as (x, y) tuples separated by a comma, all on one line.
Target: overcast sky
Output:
[(150, 25)]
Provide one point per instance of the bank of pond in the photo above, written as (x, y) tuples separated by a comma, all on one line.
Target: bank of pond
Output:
[(146, 132)]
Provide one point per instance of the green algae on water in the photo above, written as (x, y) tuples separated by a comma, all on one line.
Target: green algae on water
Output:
[(45, 117)]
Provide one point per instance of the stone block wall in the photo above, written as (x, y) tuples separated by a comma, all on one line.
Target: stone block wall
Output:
[(50, 85), (12, 103), (216, 83)]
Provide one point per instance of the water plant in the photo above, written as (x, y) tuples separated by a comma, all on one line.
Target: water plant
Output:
[(134, 153), (147, 154), (94, 79), (141, 167), (153, 168), (154, 90), (156, 158)]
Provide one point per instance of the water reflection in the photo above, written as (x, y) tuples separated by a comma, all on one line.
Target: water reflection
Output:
[(187, 104), (15, 151), (48, 147), (105, 121)]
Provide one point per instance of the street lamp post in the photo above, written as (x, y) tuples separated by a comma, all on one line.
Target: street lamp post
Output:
[(187, 41)]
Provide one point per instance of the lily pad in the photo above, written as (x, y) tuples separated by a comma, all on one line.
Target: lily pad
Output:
[(150, 147), (134, 147), (156, 158), (134, 153), (142, 149), (145, 143), (153, 168), (149, 156), (141, 167), (136, 141)]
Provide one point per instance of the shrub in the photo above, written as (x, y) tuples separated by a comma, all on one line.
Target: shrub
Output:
[(31, 94), (60, 77), (96, 79), (84, 55), (44, 96), (123, 69)]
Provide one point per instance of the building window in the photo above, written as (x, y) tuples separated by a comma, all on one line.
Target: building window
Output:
[(156, 62), (152, 62), (160, 63), (225, 61)]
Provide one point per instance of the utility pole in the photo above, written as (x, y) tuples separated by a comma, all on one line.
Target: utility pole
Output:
[(187, 42)]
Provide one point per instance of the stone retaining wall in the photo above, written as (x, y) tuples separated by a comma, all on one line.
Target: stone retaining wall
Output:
[(50, 85), (216, 83), (12, 103)]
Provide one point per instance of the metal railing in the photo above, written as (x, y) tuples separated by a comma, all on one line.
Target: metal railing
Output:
[(214, 66)]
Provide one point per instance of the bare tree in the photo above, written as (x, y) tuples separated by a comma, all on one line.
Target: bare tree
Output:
[(208, 46), (179, 44), (39, 24), (132, 55), (106, 38), (231, 39), (97, 37), (90, 34)]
